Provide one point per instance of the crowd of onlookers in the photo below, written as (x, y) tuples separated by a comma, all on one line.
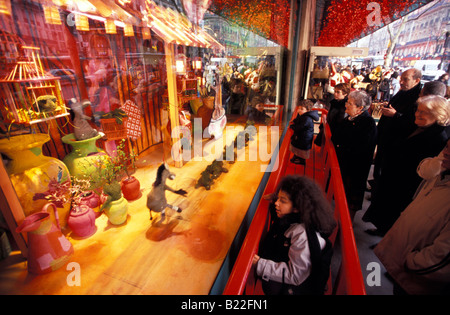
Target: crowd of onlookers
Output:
[(413, 128), (408, 150), (407, 147)]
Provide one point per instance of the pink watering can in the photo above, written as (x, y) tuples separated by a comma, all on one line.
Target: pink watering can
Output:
[(48, 248)]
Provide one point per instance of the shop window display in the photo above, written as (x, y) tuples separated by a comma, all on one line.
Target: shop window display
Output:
[(132, 74)]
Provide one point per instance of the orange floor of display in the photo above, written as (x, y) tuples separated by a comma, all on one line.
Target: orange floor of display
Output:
[(180, 255)]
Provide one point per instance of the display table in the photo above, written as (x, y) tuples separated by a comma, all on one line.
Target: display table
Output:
[(181, 255)]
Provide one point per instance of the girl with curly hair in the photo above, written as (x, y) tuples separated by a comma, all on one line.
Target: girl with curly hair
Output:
[(292, 254)]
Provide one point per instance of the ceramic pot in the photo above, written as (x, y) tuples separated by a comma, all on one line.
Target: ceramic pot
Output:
[(82, 161), (131, 188), (35, 175), (82, 221), (48, 248), (92, 200), (117, 211)]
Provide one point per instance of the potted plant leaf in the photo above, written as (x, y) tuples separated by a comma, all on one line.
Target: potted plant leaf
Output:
[(82, 216), (108, 174), (130, 185)]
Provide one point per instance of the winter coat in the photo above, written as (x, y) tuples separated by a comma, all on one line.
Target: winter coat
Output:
[(285, 253), (399, 180), (336, 113), (303, 127), (404, 102), (355, 143), (415, 251)]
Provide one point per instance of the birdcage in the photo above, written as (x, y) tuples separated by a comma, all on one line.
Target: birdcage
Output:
[(28, 94)]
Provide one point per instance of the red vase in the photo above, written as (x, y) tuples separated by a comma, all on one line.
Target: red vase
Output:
[(131, 188), (92, 200), (82, 221), (48, 248)]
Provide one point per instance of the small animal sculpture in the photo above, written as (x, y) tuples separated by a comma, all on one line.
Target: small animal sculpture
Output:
[(205, 180), (211, 173), (45, 103), (156, 199), (216, 168), (82, 128)]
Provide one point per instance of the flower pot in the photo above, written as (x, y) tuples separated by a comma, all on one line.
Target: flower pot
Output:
[(82, 161), (131, 188), (117, 211), (92, 200), (82, 221), (33, 174)]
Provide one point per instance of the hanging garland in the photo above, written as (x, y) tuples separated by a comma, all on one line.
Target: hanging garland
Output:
[(267, 18), (348, 20)]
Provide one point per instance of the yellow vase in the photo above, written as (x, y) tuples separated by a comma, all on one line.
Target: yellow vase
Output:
[(117, 211), (33, 174)]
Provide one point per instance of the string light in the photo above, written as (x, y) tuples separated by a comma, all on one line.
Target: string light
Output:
[(346, 21)]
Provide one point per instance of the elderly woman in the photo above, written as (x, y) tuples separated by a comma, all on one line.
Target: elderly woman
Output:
[(355, 140), (399, 179)]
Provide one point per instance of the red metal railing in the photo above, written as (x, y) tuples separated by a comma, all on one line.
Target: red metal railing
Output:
[(348, 279)]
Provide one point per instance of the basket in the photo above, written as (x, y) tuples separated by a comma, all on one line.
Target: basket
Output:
[(113, 130)]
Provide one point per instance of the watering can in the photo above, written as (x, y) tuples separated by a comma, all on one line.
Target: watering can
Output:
[(48, 248)]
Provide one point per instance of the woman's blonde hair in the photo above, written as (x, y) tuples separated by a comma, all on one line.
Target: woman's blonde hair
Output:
[(438, 106)]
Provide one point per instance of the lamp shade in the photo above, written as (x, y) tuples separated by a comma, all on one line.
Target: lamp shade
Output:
[(128, 30), (81, 22), (110, 27)]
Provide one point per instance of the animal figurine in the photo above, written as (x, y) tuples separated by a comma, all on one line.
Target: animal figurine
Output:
[(205, 180), (45, 103), (156, 199), (211, 173), (216, 168), (82, 129)]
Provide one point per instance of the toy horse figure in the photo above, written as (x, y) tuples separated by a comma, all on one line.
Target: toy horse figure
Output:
[(156, 199)]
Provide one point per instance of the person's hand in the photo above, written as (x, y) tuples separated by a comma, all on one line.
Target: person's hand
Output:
[(388, 111), (255, 260)]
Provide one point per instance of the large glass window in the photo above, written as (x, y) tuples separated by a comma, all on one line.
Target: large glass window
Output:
[(114, 53)]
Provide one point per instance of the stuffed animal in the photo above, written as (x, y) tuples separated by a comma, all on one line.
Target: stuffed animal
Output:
[(156, 199), (82, 128), (205, 180), (45, 103), (216, 168)]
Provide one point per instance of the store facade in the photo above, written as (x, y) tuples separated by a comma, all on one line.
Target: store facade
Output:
[(138, 73)]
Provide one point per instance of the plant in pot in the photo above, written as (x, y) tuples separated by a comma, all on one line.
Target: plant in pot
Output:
[(127, 161), (108, 175), (82, 216)]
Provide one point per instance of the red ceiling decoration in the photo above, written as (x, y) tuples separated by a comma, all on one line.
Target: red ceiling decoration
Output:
[(348, 20), (267, 18)]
